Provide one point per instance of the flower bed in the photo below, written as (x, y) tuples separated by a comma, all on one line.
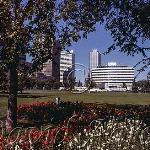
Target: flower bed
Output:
[(129, 134), (74, 121), (50, 112), (47, 111)]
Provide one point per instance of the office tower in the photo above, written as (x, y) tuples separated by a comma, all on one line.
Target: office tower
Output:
[(95, 59), (67, 65), (52, 67)]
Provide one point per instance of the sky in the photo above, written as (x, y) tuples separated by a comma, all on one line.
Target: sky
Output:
[(101, 40)]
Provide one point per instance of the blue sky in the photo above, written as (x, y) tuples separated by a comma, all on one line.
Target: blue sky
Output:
[(101, 40)]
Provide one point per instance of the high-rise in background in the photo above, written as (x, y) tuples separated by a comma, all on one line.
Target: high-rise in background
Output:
[(51, 67), (95, 59), (67, 64)]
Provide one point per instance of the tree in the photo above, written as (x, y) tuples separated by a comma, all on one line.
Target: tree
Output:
[(148, 76), (89, 83), (93, 84), (56, 85), (24, 75), (79, 83), (3, 79), (21, 26), (31, 82), (69, 81), (134, 87), (32, 27), (143, 85), (49, 84), (124, 85), (129, 24)]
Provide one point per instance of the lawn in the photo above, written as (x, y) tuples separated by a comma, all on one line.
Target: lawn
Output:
[(101, 97)]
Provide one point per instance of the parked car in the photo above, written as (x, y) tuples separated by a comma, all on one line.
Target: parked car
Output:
[(95, 90), (61, 88), (80, 89)]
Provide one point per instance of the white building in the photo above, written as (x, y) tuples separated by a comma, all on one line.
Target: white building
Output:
[(113, 76), (67, 64), (95, 59)]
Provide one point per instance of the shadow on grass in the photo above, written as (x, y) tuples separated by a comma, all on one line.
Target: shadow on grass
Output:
[(24, 95), (3, 95), (30, 96)]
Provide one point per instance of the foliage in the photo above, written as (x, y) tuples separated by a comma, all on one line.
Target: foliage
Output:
[(79, 83), (68, 80), (47, 83), (148, 76), (129, 24), (134, 87), (89, 82), (3, 78), (94, 127), (68, 21), (24, 75), (47, 111), (33, 27), (144, 85), (127, 21), (124, 85), (87, 112)]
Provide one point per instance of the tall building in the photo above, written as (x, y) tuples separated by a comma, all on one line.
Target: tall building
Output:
[(113, 76), (52, 67), (95, 59), (67, 64)]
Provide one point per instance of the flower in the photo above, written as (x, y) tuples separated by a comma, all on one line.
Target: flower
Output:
[(46, 142)]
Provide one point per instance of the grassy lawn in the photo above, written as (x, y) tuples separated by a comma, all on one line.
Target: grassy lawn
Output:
[(101, 97)]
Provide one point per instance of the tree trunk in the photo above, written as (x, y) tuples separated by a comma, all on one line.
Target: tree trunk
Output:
[(11, 120)]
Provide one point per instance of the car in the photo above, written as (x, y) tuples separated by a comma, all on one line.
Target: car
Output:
[(80, 89), (61, 88), (95, 90)]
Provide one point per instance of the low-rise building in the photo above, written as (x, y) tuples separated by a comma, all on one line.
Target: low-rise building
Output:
[(113, 76)]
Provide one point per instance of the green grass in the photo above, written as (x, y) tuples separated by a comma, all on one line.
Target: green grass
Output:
[(101, 97)]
